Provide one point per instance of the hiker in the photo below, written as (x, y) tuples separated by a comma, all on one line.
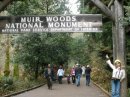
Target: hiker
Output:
[(88, 73), (48, 75), (60, 74), (118, 75), (73, 74), (78, 73)]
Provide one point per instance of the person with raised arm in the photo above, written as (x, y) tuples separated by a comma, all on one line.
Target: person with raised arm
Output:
[(118, 75)]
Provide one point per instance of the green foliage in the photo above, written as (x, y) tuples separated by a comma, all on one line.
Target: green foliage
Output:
[(78, 51), (6, 84), (38, 7), (127, 16), (99, 71), (34, 50), (128, 92)]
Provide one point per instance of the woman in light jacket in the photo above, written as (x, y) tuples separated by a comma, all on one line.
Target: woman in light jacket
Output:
[(118, 75), (60, 74)]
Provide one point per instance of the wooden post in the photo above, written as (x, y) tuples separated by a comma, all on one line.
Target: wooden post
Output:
[(119, 41)]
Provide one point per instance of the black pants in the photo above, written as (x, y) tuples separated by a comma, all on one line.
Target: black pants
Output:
[(73, 79), (60, 79), (49, 83)]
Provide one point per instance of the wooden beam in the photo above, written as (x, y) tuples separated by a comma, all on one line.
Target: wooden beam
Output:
[(104, 9), (4, 4)]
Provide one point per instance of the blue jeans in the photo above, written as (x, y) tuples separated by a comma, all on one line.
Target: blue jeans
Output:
[(78, 76), (115, 88), (87, 80)]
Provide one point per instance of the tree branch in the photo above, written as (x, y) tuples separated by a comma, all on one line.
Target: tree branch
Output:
[(4, 4), (111, 2), (104, 9)]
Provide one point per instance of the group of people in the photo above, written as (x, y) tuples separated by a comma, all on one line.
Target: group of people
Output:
[(118, 75), (77, 72), (53, 74)]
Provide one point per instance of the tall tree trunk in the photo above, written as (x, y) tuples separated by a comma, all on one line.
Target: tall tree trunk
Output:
[(16, 71), (7, 60)]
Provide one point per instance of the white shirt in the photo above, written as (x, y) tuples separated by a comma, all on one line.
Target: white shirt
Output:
[(83, 70), (60, 72), (117, 72)]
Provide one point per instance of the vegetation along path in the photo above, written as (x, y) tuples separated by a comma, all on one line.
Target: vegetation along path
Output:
[(65, 90)]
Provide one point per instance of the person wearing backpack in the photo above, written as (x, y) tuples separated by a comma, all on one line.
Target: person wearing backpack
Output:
[(78, 73)]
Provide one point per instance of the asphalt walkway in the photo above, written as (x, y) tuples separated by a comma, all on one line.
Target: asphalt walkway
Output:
[(65, 90)]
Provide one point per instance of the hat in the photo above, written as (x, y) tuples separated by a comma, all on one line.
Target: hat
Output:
[(77, 64), (87, 65), (117, 61)]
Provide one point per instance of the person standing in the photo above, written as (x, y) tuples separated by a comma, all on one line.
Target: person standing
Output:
[(88, 73), (48, 75), (83, 70), (68, 78), (78, 73), (118, 75), (73, 74), (60, 74)]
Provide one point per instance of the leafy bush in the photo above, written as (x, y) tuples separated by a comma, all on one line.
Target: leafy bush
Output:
[(10, 85), (129, 92), (7, 82), (6, 85), (100, 74)]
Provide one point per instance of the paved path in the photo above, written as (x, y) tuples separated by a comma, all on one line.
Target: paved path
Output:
[(65, 90)]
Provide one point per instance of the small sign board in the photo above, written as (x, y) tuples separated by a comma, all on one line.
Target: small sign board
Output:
[(51, 23)]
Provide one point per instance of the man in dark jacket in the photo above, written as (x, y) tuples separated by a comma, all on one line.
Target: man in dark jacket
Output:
[(78, 73), (48, 75), (88, 73)]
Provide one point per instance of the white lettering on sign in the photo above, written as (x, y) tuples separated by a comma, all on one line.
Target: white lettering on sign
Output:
[(23, 25), (30, 19), (52, 23), (69, 24), (61, 18)]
